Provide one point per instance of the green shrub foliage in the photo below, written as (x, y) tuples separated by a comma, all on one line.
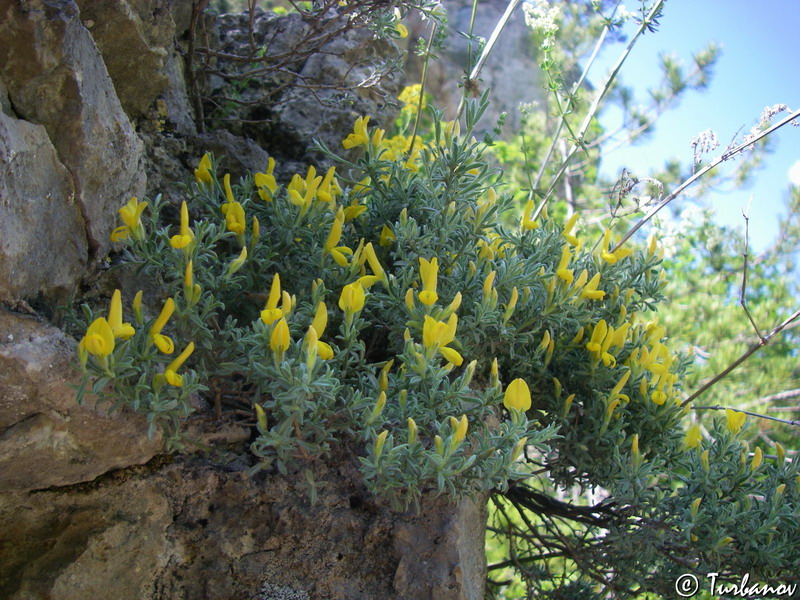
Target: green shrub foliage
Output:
[(384, 305)]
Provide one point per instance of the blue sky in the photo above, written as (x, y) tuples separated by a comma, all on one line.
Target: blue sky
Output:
[(758, 67)]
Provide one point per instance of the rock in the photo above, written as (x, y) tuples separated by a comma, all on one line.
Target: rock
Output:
[(43, 246), (137, 41), (56, 78), (284, 117), (46, 438), (511, 70), (201, 530), (132, 37)]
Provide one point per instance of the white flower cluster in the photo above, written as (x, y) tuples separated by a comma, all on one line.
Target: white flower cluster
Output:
[(542, 16)]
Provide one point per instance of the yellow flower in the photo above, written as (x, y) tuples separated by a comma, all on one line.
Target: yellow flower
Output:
[(693, 437), (735, 420), (337, 252), (352, 298), (185, 237), (328, 188), (436, 335), (758, 458), (518, 395), (562, 271), (590, 290), (265, 182), (324, 350), (171, 372), (460, 429), (163, 342), (612, 257), (235, 219), (568, 226), (359, 137), (528, 223), (387, 236), (279, 340), (202, 173), (410, 99), (99, 338), (120, 329), (428, 271), (271, 312), (131, 215)]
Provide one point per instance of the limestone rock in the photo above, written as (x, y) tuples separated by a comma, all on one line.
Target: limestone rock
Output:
[(283, 117), (189, 528), (42, 241), (46, 438), (511, 70), (56, 78), (137, 41)]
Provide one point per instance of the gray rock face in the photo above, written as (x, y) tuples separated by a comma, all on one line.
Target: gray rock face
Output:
[(46, 438), (42, 240), (511, 70), (56, 78), (306, 98)]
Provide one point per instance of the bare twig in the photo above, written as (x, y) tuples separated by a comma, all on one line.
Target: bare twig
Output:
[(747, 354), (716, 162), (742, 298)]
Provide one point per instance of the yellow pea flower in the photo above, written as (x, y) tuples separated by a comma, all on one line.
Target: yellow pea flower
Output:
[(612, 257), (517, 396), (352, 298), (735, 420), (328, 188), (185, 237), (337, 252), (561, 270), (460, 429), (758, 458), (324, 351), (487, 285), (271, 312), (387, 237), (359, 137), (590, 290), (235, 219), (163, 342), (428, 272), (265, 182), (436, 335), (99, 338), (202, 173), (131, 215), (567, 231), (171, 372), (121, 330), (279, 339), (693, 437), (527, 223)]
